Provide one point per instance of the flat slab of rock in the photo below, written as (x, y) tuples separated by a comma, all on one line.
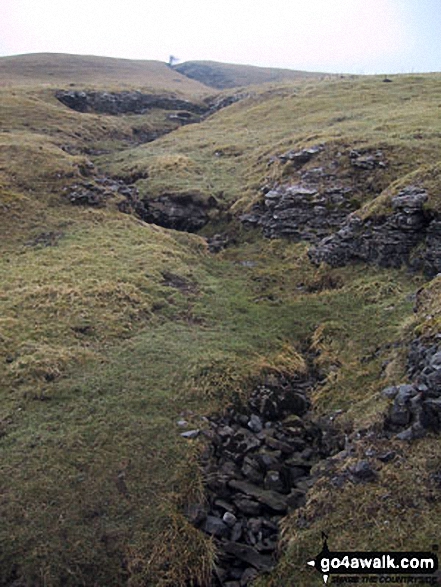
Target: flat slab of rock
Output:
[(249, 555), (190, 434), (269, 498), (216, 527)]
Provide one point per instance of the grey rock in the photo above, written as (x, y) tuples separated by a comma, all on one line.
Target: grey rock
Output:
[(307, 454), (271, 499), (218, 242), (255, 525), (405, 393), (255, 423), (431, 414), (408, 435), (366, 161), (299, 158), (410, 200), (387, 241), (225, 432), (251, 538), (390, 392), (431, 263), (224, 505), (267, 545), (248, 576), (434, 403), (399, 415), (273, 481), (242, 442), (301, 211), (304, 484), (270, 526), (276, 444), (296, 499), (249, 555), (229, 469), (229, 519), (88, 194), (278, 401), (252, 471), (300, 461), (216, 527), (247, 506), (387, 456), (296, 473), (434, 382), (218, 484), (236, 532), (268, 459), (362, 471), (183, 211), (196, 514), (190, 434)]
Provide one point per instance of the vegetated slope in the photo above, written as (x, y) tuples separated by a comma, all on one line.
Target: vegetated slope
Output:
[(229, 75), (55, 69), (113, 329), (241, 150)]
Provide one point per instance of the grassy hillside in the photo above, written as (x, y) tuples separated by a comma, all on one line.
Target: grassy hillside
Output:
[(112, 330), (228, 156), (229, 75), (86, 70)]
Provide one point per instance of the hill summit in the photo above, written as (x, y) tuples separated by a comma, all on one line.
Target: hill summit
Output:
[(228, 75)]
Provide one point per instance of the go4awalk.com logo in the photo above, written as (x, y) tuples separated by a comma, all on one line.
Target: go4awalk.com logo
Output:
[(409, 568)]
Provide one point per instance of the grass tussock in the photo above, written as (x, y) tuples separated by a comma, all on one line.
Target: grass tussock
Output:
[(231, 377), (428, 307), (184, 556)]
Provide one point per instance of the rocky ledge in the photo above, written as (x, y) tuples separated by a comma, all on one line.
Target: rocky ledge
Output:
[(125, 102), (301, 212), (186, 212), (258, 466), (135, 102), (316, 200), (389, 240)]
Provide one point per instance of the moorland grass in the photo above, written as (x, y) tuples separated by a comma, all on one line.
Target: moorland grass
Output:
[(102, 361), (228, 154), (101, 352)]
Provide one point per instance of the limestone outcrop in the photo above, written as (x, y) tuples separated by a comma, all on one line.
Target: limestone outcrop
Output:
[(132, 102), (390, 240)]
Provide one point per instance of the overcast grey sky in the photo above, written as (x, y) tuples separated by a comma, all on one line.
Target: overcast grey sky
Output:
[(353, 36)]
